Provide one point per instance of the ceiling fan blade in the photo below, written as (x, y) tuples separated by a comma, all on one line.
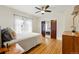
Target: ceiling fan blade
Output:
[(38, 8), (48, 11), (47, 6), (37, 12)]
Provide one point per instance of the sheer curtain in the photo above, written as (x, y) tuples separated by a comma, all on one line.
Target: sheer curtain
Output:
[(22, 24)]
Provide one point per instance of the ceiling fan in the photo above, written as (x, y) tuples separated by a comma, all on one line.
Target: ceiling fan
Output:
[(43, 9)]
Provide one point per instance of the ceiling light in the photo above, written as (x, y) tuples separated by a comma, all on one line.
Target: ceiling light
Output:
[(42, 12)]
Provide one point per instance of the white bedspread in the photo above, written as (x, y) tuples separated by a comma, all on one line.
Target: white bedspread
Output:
[(23, 36), (26, 36)]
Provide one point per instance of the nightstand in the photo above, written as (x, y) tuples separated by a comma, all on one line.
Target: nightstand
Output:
[(12, 49), (3, 50)]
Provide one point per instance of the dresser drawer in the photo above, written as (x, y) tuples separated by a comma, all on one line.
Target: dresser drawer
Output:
[(67, 44)]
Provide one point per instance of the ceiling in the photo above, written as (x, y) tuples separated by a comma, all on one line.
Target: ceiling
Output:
[(31, 9)]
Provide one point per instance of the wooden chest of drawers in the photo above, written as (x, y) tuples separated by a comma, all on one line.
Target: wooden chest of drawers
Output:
[(70, 43)]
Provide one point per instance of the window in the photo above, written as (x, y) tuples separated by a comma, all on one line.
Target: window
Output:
[(23, 24)]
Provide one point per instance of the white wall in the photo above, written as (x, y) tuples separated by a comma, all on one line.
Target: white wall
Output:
[(69, 21), (7, 20), (36, 25), (60, 23), (64, 19), (62, 15), (77, 23), (5, 17)]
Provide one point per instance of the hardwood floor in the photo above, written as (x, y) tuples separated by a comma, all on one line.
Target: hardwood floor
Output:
[(48, 46)]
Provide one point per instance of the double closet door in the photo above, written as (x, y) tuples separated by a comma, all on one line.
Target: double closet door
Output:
[(53, 28)]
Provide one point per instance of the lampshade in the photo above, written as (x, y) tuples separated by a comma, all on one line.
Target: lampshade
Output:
[(76, 10)]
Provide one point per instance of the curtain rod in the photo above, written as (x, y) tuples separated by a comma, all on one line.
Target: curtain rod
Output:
[(22, 16)]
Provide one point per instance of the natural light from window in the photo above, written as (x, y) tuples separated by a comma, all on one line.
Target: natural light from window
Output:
[(23, 24)]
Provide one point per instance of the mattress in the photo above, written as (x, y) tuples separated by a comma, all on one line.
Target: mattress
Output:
[(26, 36), (23, 36)]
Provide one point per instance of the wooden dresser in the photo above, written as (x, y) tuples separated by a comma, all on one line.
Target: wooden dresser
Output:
[(70, 43)]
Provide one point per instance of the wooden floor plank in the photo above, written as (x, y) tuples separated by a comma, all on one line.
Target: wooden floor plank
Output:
[(48, 46)]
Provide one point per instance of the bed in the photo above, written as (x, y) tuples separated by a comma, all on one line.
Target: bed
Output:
[(26, 40)]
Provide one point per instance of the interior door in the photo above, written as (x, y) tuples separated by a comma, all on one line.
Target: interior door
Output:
[(53, 29), (43, 28)]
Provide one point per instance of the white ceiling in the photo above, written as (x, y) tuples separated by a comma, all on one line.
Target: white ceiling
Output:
[(31, 9)]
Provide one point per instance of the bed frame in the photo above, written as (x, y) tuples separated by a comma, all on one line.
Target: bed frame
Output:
[(27, 42)]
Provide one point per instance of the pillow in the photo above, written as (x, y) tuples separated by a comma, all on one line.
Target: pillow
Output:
[(5, 35), (12, 33)]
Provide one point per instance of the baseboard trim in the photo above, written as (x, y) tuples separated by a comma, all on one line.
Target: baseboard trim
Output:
[(59, 38)]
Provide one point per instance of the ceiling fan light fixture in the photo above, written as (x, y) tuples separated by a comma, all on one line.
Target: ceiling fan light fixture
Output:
[(42, 12), (43, 9)]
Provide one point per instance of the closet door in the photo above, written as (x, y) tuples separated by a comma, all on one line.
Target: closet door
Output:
[(53, 29), (43, 28)]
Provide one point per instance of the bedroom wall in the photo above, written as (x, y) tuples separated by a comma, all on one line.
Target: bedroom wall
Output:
[(36, 25), (64, 19), (60, 23), (69, 20), (7, 20)]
